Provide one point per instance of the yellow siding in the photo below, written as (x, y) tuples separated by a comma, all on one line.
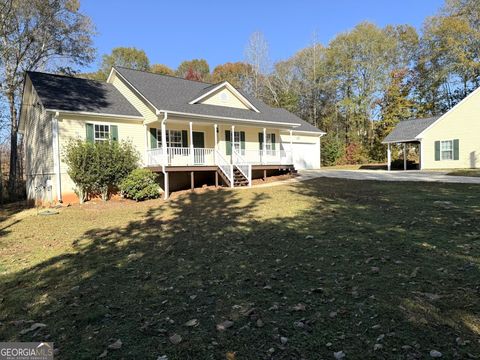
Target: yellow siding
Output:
[(137, 103), (38, 143), (463, 123), (224, 97), (72, 127)]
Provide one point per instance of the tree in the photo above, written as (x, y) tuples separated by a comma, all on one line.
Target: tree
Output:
[(256, 55), (235, 73), (196, 69), (161, 69), (129, 57), (33, 34)]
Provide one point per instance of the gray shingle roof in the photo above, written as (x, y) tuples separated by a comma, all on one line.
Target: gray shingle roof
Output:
[(408, 130), (67, 93), (174, 94)]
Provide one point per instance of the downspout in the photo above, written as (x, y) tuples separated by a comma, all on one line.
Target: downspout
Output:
[(56, 156)]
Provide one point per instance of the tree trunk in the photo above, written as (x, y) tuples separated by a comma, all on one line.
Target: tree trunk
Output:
[(12, 176)]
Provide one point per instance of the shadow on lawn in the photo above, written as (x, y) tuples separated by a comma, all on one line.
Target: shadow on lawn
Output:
[(370, 266)]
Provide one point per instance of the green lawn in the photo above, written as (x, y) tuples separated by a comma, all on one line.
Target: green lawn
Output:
[(301, 270), (466, 172)]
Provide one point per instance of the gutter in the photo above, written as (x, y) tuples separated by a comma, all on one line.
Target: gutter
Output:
[(228, 118)]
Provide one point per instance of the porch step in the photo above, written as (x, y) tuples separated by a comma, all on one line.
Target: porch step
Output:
[(238, 178)]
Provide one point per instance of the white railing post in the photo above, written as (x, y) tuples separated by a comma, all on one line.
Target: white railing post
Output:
[(232, 180)]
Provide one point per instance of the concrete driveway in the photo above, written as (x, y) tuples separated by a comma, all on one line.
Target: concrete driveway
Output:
[(397, 175)]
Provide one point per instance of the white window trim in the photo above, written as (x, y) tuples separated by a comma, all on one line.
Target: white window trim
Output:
[(451, 150), (269, 144), (237, 143), (108, 131), (169, 137)]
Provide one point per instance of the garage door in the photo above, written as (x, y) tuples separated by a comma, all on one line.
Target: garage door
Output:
[(305, 155)]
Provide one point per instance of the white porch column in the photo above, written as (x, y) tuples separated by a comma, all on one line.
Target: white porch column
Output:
[(192, 155), (232, 140), (164, 143), (264, 147), (215, 145), (291, 145), (404, 156), (389, 157)]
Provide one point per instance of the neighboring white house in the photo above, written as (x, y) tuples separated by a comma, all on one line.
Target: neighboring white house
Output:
[(450, 141), (190, 132)]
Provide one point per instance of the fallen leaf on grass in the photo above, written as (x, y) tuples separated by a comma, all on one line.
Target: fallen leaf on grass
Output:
[(33, 328), (224, 325), (191, 323)]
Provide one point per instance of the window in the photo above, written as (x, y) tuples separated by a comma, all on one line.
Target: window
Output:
[(269, 144), (446, 150), (237, 143), (174, 138), (224, 96), (102, 132)]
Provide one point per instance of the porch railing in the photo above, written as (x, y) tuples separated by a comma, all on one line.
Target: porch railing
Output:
[(242, 165), (260, 157), (225, 167), (182, 156)]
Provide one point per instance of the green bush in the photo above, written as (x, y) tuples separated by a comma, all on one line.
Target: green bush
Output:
[(140, 184), (98, 168), (332, 150), (79, 156)]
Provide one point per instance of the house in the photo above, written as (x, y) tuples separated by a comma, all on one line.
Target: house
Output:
[(450, 141), (190, 132)]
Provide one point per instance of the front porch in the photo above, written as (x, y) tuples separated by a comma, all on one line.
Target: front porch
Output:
[(232, 152)]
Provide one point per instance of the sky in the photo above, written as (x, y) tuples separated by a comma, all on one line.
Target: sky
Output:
[(218, 31)]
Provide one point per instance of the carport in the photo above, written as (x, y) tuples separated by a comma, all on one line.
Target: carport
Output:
[(406, 132)]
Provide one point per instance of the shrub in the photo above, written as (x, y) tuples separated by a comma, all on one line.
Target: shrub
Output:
[(332, 151), (79, 157), (115, 160), (354, 154), (98, 167), (140, 184)]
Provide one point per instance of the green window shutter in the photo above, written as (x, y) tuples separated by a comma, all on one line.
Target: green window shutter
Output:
[(114, 132), (273, 141), (437, 150), (260, 140), (153, 138), (242, 140), (456, 149), (228, 142), (89, 128), (184, 138)]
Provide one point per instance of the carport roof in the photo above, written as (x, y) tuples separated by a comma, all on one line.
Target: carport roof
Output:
[(408, 130)]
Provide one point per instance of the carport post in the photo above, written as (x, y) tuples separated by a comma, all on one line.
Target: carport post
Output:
[(389, 157), (404, 156)]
